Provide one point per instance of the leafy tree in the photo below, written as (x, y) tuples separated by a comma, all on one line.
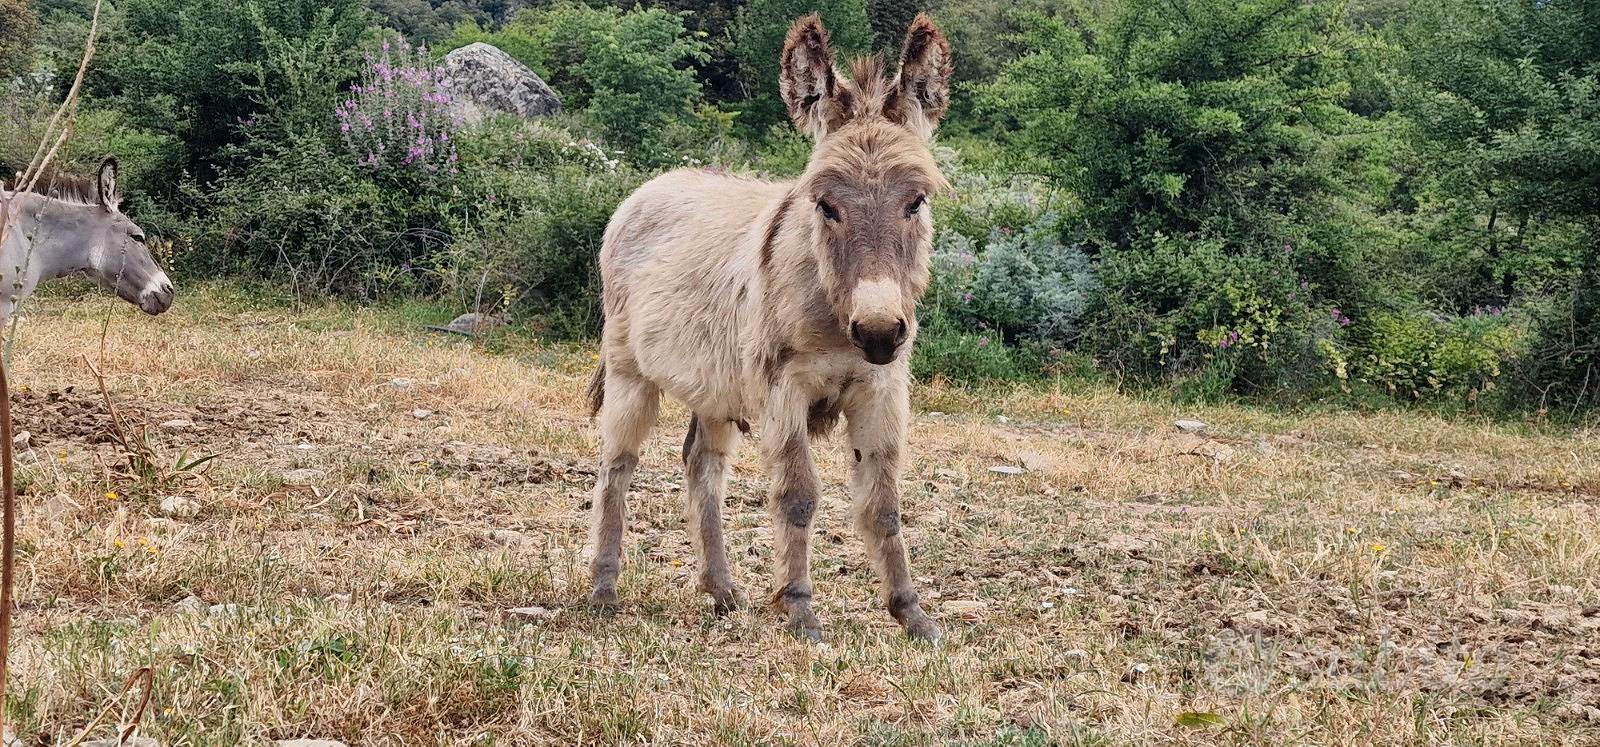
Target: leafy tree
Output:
[(758, 35), (711, 21), (891, 18), (1194, 132), (17, 27), (204, 71), (1504, 105)]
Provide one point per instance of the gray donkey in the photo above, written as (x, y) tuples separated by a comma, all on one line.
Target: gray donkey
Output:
[(788, 304), (69, 225)]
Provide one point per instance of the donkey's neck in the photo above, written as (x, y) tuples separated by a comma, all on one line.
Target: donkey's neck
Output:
[(49, 238), (42, 241)]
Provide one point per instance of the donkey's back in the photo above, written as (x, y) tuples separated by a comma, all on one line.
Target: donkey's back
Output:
[(679, 258)]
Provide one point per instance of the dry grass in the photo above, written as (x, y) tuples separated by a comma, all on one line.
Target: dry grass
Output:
[(1318, 579)]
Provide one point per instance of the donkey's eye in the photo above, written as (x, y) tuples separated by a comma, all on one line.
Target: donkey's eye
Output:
[(916, 205), (828, 211), (139, 237)]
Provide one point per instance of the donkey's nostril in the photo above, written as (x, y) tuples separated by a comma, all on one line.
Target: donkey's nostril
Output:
[(855, 332), (899, 331)]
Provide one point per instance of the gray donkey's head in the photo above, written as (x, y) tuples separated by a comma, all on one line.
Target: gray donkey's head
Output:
[(88, 234)]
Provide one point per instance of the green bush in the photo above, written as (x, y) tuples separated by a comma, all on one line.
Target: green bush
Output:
[(532, 244), (969, 358), (631, 73), (218, 75), (1561, 368), (1023, 282), (1417, 356)]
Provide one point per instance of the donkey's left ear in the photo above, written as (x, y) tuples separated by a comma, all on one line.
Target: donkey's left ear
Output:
[(107, 188), (921, 93)]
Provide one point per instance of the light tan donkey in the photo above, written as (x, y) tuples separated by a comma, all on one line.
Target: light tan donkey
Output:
[(786, 304)]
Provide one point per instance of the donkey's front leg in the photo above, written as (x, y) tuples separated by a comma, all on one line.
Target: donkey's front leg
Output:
[(877, 421), (792, 500)]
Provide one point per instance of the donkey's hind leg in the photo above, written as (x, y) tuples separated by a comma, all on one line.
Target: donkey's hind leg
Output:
[(629, 410), (708, 449)]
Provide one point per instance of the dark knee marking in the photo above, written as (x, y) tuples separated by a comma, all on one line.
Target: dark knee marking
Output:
[(858, 456), (618, 472), (607, 567), (793, 450), (887, 523), (798, 507)]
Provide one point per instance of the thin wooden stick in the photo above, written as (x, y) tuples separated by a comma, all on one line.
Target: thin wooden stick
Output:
[(40, 163), (143, 673), (8, 550), (69, 109)]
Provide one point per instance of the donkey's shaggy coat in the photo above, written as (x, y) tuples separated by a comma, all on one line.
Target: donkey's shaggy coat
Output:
[(786, 304)]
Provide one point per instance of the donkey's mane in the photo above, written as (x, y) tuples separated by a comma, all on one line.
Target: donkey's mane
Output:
[(869, 75), (74, 188)]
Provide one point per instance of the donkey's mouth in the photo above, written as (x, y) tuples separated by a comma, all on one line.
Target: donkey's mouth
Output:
[(157, 299)]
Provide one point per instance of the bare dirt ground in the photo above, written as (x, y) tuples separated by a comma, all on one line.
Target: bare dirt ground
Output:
[(382, 497)]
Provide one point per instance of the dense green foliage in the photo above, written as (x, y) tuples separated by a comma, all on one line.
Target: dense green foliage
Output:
[(18, 23), (632, 74), (1386, 199)]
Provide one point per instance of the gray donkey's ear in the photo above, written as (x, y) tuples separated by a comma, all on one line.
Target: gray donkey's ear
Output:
[(107, 191)]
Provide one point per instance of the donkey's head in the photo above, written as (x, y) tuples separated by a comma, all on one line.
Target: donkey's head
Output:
[(870, 176), (98, 240)]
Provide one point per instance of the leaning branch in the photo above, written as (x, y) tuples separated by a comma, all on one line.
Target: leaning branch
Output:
[(60, 126)]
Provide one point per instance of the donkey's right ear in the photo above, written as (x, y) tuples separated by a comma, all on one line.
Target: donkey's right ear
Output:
[(106, 187), (808, 81)]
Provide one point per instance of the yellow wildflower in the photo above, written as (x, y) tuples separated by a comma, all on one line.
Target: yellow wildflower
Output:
[(111, 495), (1378, 548)]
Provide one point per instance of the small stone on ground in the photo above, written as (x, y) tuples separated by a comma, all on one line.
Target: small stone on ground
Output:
[(179, 505)]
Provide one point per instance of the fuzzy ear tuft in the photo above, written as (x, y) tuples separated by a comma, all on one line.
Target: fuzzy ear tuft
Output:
[(808, 81), (921, 93), (106, 184)]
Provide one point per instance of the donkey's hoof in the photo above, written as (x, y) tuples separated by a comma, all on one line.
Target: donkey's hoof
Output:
[(925, 630), (810, 633), (803, 624), (728, 599), (604, 598)]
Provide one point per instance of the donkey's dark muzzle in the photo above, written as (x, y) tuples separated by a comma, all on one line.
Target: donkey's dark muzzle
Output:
[(878, 342)]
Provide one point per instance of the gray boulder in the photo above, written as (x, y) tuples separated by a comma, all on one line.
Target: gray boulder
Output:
[(483, 79), (473, 324)]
